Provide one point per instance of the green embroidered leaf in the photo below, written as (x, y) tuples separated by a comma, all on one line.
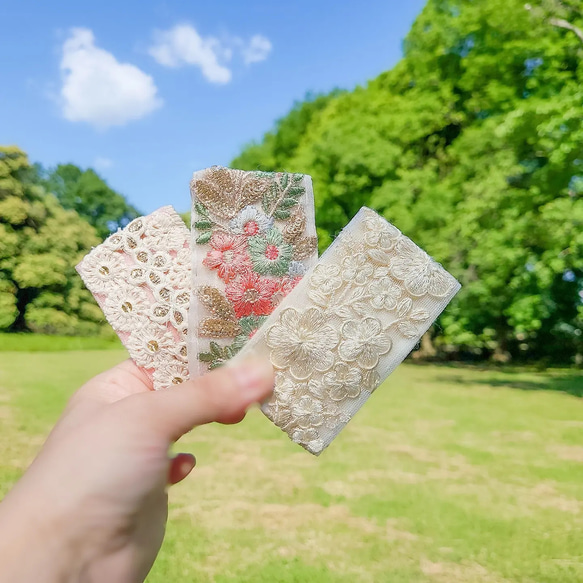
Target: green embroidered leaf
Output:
[(216, 364), (296, 191), (282, 215), (287, 203), (205, 357), (284, 194), (204, 238), (203, 225), (201, 209), (239, 342), (216, 349)]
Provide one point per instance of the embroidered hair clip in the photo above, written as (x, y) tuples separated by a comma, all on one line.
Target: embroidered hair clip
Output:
[(140, 277), (253, 238), (345, 328)]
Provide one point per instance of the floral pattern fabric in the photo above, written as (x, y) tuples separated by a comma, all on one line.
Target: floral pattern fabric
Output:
[(140, 277), (346, 326), (253, 239)]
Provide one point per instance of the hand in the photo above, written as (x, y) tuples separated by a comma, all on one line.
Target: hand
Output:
[(93, 505)]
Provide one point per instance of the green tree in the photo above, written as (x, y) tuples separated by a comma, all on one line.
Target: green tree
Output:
[(85, 192), (40, 244), (473, 146), (280, 145)]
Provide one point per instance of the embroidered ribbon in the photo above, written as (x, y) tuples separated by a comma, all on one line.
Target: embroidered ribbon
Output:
[(253, 238), (140, 277), (348, 324)]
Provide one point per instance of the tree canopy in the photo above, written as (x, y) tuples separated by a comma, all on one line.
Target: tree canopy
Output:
[(85, 192), (40, 244), (473, 146)]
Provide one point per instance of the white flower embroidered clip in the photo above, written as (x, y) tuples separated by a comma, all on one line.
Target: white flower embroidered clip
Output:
[(253, 238), (140, 277), (346, 326)]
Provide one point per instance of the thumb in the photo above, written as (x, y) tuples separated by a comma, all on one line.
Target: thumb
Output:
[(222, 395)]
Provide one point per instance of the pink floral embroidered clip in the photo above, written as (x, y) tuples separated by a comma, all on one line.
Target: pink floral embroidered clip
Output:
[(140, 277), (346, 326), (253, 238)]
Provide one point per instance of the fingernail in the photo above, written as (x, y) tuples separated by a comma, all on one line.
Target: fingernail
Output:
[(255, 378)]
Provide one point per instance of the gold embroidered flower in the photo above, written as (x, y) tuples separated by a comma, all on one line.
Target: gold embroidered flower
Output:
[(147, 345), (363, 341), (356, 269), (170, 375), (385, 294), (103, 270), (126, 309), (302, 341), (419, 273), (343, 382)]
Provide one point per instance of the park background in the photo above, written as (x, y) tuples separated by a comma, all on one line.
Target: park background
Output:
[(466, 132)]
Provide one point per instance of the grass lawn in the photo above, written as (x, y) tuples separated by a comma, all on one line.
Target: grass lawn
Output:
[(448, 475)]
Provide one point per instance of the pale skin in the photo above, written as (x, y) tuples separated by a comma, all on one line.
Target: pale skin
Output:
[(93, 505)]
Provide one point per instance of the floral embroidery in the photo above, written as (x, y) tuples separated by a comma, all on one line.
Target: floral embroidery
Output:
[(251, 294), (227, 255), (374, 291), (419, 273), (104, 269), (126, 308), (308, 412), (270, 255), (384, 293), (364, 341), (343, 382), (356, 268), (250, 221), (140, 276), (254, 225), (302, 342)]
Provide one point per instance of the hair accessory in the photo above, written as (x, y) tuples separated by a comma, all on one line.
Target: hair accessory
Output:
[(253, 238), (140, 277), (346, 326)]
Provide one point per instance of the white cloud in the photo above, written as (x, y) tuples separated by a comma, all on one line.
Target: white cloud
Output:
[(101, 163), (257, 50), (100, 90), (182, 45)]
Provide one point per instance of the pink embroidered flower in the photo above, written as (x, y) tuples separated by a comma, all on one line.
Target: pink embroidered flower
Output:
[(251, 294), (283, 288), (228, 255)]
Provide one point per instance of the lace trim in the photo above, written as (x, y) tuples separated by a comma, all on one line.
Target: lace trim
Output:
[(252, 244), (140, 277), (347, 326)]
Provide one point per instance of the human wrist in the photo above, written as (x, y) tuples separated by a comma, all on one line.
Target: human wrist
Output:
[(40, 539)]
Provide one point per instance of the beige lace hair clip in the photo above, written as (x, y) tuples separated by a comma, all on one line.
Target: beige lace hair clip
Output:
[(253, 238), (346, 326), (140, 277)]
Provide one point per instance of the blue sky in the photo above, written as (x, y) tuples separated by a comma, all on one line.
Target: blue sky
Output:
[(147, 92)]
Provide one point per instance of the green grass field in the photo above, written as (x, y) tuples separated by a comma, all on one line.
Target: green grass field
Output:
[(448, 475)]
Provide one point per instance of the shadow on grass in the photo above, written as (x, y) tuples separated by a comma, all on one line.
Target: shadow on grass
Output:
[(570, 382)]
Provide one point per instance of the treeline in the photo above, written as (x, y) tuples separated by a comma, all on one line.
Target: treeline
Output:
[(473, 146), (49, 219)]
